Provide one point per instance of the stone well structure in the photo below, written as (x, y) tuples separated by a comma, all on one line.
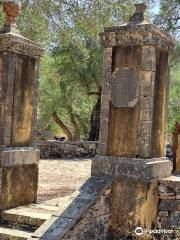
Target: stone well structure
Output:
[(134, 100), (19, 76)]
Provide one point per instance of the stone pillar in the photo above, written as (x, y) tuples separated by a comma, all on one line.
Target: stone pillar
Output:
[(134, 100), (104, 117), (19, 64)]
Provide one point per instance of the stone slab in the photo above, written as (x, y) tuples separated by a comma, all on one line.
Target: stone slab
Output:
[(19, 156), (125, 87), (28, 215), (13, 234), (135, 168)]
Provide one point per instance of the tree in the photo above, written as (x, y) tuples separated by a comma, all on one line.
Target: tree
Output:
[(169, 16)]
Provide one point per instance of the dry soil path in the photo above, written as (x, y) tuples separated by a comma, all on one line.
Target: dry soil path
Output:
[(61, 177)]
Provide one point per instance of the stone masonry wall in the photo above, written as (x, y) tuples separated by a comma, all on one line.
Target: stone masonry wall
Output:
[(55, 149), (94, 222), (169, 204)]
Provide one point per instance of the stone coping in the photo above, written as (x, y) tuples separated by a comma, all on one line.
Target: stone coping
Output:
[(19, 156), (140, 34), (137, 160), (140, 27), (18, 44), (66, 142), (68, 215), (15, 149), (131, 168)]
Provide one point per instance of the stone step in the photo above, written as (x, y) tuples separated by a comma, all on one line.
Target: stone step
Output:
[(33, 214), (72, 210), (13, 234)]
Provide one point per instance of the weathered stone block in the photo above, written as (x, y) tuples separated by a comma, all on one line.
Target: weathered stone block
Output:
[(165, 222), (163, 213), (169, 205), (134, 203), (18, 156), (173, 182), (19, 185), (149, 58), (125, 87), (135, 168), (145, 115), (145, 127), (165, 191), (174, 220)]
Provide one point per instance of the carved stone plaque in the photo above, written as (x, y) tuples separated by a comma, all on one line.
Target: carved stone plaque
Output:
[(125, 87)]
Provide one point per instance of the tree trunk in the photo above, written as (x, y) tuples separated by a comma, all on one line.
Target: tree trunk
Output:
[(60, 123), (75, 126), (95, 122), (84, 128)]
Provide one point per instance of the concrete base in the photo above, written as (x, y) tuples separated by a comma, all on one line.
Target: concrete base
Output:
[(18, 176), (131, 168)]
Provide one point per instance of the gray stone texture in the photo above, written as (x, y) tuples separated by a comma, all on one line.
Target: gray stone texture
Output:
[(169, 205), (133, 35), (18, 156), (132, 168), (125, 93), (104, 116), (55, 149)]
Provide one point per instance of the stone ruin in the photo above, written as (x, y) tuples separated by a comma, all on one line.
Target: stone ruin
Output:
[(19, 76), (131, 183)]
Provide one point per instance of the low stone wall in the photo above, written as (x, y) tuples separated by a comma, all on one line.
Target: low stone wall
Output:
[(66, 149), (169, 205)]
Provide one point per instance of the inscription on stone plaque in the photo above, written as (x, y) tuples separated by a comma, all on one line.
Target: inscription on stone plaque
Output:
[(125, 87)]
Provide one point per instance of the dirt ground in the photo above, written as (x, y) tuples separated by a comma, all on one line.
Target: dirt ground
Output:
[(61, 177)]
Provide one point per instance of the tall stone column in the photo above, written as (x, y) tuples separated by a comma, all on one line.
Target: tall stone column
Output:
[(19, 77), (132, 147)]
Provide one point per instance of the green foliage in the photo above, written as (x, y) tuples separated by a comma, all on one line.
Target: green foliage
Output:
[(174, 97), (60, 94), (169, 16), (71, 71), (1, 15)]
